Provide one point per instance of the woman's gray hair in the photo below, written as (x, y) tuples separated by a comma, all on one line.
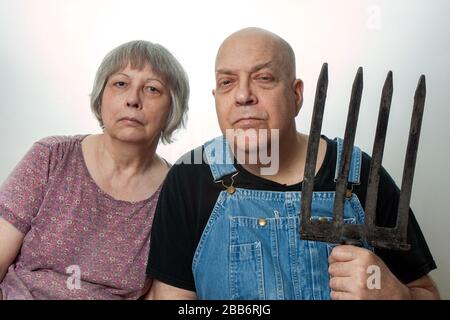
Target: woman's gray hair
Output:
[(138, 54)]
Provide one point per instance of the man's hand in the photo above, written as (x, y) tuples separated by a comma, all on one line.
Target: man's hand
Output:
[(350, 268)]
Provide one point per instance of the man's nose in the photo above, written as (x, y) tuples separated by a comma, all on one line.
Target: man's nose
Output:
[(133, 99), (244, 94)]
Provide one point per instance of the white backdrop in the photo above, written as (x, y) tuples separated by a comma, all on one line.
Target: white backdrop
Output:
[(50, 49)]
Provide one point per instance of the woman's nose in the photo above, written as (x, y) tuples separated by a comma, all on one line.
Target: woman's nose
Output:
[(133, 99)]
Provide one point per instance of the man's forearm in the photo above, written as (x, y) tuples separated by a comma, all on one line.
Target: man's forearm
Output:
[(162, 291), (424, 294), (422, 289)]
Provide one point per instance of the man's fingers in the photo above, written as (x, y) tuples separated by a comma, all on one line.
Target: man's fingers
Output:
[(343, 284), (339, 295), (341, 269), (341, 254), (344, 253)]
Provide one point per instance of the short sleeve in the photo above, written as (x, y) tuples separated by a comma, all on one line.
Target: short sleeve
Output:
[(410, 265), (23, 191), (406, 265), (172, 240)]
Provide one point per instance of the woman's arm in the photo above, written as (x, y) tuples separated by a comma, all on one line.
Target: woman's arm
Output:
[(10, 242)]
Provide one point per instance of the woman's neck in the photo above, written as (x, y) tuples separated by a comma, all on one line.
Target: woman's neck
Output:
[(125, 157)]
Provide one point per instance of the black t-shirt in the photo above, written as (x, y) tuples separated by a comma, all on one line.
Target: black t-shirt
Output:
[(189, 194)]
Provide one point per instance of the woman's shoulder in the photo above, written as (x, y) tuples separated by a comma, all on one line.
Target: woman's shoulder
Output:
[(60, 140), (56, 148)]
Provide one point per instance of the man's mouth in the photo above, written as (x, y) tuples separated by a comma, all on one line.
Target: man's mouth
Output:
[(247, 122)]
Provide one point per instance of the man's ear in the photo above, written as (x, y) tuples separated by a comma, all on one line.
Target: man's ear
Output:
[(298, 91), (214, 92)]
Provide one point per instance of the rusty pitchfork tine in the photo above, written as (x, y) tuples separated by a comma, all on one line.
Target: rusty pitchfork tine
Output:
[(349, 138), (313, 146), (336, 230), (410, 160), (377, 154), (328, 231), (396, 238)]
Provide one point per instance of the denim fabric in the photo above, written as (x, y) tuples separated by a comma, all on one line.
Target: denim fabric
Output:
[(251, 248)]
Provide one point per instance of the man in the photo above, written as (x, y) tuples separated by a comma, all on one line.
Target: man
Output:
[(225, 230)]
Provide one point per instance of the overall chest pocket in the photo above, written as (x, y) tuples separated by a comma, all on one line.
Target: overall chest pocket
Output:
[(259, 253)]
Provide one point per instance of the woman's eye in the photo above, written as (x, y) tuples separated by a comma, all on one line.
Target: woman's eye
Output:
[(119, 84), (152, 89)]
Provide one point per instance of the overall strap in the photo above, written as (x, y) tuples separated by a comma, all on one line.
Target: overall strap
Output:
[(355, 164), (219, 157)]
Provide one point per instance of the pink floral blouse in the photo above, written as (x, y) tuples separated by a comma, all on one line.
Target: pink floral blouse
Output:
[(80, 243)]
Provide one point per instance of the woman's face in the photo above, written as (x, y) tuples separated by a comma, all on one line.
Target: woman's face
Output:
[(135, 105)]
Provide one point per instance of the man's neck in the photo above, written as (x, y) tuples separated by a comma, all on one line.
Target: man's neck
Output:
[(291, 160)]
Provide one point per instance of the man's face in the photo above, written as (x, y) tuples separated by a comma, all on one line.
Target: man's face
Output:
[(254, 87)]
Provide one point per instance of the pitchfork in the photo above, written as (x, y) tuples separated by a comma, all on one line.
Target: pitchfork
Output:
[(335, 231)]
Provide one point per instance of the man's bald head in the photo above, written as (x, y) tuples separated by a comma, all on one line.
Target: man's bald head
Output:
[(259, 39)]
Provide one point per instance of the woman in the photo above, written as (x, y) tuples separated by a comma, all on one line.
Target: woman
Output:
[(76, 212)]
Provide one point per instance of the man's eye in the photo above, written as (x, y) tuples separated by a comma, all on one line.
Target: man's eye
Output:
[(224, 82), (265, 78)]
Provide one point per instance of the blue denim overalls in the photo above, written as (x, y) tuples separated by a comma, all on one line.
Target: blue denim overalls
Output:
[(251, 248)]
